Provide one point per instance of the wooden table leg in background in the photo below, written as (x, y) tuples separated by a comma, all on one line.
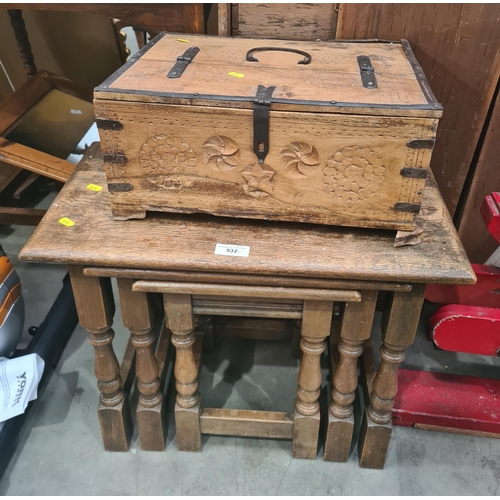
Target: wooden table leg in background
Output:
[(399, 326), (180, 320), (137, 317), (355, 327), (95, 305), (316, 322)]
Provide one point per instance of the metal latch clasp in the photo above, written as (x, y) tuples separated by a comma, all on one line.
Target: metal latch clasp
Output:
[(182, 62), (261, 106), (367, 72)]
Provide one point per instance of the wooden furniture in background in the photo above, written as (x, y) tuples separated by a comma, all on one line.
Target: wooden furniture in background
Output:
[(12, 111), (151, 17), (23, 115), (296, 21), (13, 154), (305, 275)]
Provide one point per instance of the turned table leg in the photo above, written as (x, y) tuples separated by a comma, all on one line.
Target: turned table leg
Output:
[(355, 327), (95, 305), (316, 322), (180, 320), (138, 318), (399, 326)]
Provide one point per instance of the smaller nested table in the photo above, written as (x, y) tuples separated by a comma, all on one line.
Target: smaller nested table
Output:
[(292, 271)]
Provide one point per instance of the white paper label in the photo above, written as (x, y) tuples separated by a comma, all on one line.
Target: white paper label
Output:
[(232, 250), (19, 379)]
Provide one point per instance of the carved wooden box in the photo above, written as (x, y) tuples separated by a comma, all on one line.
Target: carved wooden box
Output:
[(321, 132)]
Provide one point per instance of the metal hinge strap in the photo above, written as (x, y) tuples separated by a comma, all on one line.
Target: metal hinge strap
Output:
[(104, 124), (118, 158), (119, 187), (414, 173), (367, 72), (261, 106), (421, 143), (406, 207), (182, 62)]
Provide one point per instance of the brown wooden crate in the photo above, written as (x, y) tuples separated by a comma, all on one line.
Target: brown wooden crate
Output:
[(186, 144)]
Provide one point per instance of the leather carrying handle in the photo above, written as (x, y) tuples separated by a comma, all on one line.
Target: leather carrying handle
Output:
[(307, 57)]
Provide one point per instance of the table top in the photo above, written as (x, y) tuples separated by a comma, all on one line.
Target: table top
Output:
[(187, 242)]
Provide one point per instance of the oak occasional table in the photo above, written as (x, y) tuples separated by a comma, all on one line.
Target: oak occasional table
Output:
[(292, 270)]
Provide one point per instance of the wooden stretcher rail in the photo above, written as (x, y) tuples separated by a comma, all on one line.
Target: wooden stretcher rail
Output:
[(252, 309), (248, 423), (246, 291), (244, 279)]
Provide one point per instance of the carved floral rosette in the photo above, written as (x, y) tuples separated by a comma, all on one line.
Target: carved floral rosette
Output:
[(354, 173), (162, 156)]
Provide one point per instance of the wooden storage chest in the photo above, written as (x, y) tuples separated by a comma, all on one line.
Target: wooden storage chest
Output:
[(336, 133)]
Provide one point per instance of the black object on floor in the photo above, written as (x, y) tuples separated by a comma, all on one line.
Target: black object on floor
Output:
[(48, 342)]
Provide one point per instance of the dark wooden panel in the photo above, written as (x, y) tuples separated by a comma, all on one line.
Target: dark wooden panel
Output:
[(21, 101), (177, 17), (458, 46), (7, 174), (477, 241), (24, 216), (298, 21)]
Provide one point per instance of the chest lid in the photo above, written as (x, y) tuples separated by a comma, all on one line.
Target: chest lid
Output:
[(361, 77)]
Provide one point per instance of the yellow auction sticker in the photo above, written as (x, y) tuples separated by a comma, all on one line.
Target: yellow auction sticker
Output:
[(66, 222), (182, 40), (94, 187), (236, 75)]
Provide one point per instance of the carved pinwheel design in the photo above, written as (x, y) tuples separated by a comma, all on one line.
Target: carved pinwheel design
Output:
[(222, 152), (298, 157), (259, 180), (354, 173)]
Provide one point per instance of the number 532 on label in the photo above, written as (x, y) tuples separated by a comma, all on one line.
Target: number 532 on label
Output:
[(232, 250)]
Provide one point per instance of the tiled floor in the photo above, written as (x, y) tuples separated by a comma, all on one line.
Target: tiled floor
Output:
[(60, 451)]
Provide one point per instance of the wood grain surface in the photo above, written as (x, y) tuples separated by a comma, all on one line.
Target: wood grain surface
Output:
[(187, 242), (333, 73), (246, 291), (297, 21), (21, 156), (263, 424)]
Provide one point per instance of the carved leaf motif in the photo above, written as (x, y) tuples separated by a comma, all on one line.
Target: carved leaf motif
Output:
[(221, 151), (298, 156)]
